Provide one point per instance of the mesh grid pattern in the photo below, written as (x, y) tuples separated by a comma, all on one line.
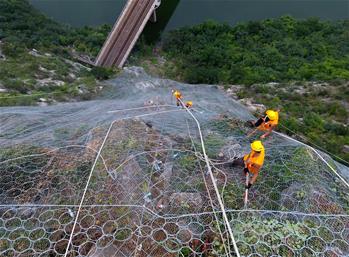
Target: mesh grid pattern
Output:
[(147, 188)]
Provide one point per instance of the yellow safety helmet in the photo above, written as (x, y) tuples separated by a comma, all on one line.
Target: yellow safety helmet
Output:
[(257, 146), (177, 94), (272, 115), (189, 103)]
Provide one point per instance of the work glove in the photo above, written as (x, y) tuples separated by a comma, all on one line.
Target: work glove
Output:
[(246, 171), (248, 186)]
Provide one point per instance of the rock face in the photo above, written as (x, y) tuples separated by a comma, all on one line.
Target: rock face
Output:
[(346, 148), (35, 53), (233, 90), (2, 56), (49, 82), (148, 194), (167, 174), (312, 198), (260, 108), (3, 89), (77, 66), (129, 179), (189, 200)]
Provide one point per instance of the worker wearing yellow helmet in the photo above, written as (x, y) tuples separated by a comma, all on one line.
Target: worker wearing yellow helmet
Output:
[(177, 94), (189, 104), (254, 161), (268, 122)]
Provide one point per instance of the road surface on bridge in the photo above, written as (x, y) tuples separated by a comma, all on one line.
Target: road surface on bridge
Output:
[(125, 32)]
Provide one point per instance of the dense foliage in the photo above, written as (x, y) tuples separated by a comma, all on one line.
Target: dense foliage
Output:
[(281, 50), (261, 51), (24, 26), (318, 112), (39, 56)]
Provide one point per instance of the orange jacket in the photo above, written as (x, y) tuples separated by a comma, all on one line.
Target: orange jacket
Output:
[(254, 158), (266, 126)]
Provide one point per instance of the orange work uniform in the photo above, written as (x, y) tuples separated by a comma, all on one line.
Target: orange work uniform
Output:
[(266, 126), (254, 158)]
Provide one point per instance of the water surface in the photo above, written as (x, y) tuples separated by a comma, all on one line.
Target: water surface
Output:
[(188, 12)]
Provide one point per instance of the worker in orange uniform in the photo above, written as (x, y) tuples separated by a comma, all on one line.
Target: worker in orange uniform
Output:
[(266, 123), (178, 96), (189, 104), (252, 162)]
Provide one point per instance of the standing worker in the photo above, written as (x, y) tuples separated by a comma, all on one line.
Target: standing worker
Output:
[(266, 123), (178, 96), (252, 162)]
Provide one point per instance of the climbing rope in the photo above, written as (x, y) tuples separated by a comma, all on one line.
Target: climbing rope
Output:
[(93, 167), (219, 198)]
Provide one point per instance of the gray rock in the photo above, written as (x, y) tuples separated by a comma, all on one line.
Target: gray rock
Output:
[(77, 66), (42, 104), (2, 88), (190, 200), (35, 53), (167, 174), (346, 148), (72, 76), (49, 82), (260, 108)]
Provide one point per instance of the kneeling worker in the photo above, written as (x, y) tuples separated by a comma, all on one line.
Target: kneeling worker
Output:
[(267, 123)]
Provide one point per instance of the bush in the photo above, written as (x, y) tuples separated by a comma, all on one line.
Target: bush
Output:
[(12, 49), (280, 49), (102, 73)]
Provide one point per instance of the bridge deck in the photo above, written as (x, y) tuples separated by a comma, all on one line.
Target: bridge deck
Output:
[(125, 33)]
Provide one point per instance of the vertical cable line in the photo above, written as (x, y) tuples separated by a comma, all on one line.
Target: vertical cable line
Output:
[(211, 200), (93, 167), (213, 181)]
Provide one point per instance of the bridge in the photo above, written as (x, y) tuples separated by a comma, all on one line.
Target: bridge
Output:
[(126, 31)]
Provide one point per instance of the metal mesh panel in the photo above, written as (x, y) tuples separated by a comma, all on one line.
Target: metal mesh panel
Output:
[(127, 177)]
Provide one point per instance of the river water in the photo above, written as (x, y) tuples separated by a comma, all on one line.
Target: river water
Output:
[(189, 12)]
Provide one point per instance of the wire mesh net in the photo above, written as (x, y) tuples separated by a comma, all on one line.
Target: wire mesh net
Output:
[(128, 177)]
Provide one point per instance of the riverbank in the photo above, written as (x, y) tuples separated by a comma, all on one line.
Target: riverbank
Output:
[(38, 58)]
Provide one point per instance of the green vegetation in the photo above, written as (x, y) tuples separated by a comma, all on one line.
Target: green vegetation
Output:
[(39, 57), (22, 27), (227, 127), (280, 49), (318, 112), (188, 162), (251, 231), (213, 144), (283, 50), (288, 183), (19, 151)]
